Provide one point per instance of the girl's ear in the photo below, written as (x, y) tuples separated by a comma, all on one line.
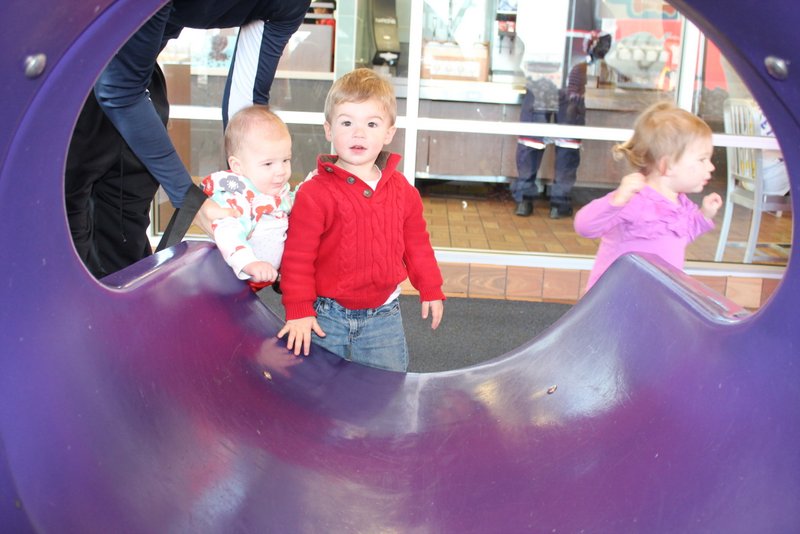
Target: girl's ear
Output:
[(663, 166)]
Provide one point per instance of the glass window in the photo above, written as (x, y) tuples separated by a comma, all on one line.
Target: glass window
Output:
[(527, 64), (489, 74), (726, 104), (196, 66)]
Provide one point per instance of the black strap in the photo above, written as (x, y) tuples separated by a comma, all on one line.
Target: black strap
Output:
[(182, 218)]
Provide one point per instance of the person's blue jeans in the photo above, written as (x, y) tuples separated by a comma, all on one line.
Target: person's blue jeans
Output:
[(372, 336), (567, 162), (528, 161), (567, 159)]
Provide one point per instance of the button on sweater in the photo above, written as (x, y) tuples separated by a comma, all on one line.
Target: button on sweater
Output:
[(355, 245)]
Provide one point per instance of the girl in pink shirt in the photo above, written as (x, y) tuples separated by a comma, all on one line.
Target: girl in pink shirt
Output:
[(649, 212)]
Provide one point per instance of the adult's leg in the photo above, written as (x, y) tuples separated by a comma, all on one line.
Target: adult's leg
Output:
[(528, 158), (567, 162), (571, 110), (122, 199), (94, 149), (121, 215), (108, 191), (528, 161)]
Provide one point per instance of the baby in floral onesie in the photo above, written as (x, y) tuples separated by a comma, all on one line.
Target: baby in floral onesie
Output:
[(259, 150)]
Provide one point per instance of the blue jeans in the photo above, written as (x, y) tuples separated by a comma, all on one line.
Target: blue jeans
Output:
[(528, 161), (373, 336), (567, 159), (567, 162)]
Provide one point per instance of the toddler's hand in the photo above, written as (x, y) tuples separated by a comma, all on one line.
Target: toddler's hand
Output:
[(261, 271), (299, 330), (711, 205), (436, 309), (628, 187)]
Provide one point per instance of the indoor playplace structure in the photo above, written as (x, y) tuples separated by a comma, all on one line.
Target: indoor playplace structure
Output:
[(161, 401)]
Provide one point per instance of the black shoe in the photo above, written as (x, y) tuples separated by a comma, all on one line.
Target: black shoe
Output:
[(560, 213), (524, 208)]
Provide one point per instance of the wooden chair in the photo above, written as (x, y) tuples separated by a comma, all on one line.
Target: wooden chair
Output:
[(746, 184)]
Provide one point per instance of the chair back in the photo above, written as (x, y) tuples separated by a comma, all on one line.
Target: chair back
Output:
[(741, 117)]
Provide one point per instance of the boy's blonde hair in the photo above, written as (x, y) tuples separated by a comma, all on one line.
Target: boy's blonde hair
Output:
[(244, 120), (662, 130), (359, 86)]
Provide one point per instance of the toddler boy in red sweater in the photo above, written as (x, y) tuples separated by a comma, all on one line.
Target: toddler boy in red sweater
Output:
[(356, 232)]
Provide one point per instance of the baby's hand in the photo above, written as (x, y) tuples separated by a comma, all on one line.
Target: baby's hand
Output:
[(436, 309), (299, 330), (711, 205), (261, 271), (628, 187)]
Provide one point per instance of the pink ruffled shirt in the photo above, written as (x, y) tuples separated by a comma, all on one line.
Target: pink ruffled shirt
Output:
[(648, 223)]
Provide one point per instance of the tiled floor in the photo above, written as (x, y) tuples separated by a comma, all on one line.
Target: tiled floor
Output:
[(476, 216)]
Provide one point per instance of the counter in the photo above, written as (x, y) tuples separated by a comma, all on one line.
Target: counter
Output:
[(463, 91), (491, 158)]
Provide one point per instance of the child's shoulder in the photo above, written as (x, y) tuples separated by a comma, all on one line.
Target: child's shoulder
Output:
[(312, 180), (315, 185), (226, 182)]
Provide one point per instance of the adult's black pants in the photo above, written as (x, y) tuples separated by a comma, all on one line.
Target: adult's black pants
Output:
[(108, 191)]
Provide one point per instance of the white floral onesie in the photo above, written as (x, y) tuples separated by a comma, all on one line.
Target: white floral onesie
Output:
[(260, 232)]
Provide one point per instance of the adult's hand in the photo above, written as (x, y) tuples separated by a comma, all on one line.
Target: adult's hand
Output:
[(209, 212)]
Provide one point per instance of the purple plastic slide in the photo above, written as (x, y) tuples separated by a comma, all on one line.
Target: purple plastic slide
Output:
[(164, 403)]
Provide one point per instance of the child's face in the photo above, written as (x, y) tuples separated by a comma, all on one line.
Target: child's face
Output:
[(692, 171), (359, 131), (265, 158)]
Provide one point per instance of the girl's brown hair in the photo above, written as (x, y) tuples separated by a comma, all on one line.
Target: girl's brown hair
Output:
[(662, 130)]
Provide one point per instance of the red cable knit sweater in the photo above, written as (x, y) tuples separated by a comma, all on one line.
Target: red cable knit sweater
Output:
[(355, 245)]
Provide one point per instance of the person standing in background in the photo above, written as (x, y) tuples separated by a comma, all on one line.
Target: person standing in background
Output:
[(571, 110)]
